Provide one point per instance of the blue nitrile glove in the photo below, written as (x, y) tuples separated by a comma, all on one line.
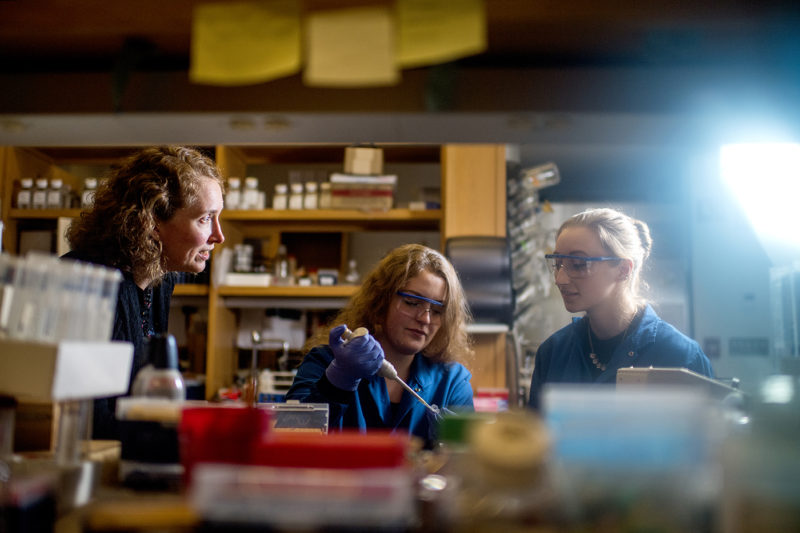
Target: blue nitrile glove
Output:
[(359, 358)]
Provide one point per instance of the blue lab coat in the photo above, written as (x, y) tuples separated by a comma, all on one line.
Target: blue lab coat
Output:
[(562, 358), (443, 384)]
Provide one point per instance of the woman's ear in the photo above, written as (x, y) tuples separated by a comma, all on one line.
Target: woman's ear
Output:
[(625, 270)]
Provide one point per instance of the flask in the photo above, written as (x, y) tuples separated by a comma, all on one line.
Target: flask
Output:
[(24, 195), (280, 200), (233, 199), (310, 199), (296, 196), (89, 187), (39, 198), (55, 196), (160, 378)]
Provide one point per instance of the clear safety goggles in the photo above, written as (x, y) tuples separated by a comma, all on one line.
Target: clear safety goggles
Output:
[(576, 266), (414, 306)]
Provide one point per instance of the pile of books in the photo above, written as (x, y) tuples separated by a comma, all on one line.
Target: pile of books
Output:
[(354, 191)]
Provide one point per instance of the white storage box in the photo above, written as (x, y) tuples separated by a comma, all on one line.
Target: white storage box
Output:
[(69, 370)]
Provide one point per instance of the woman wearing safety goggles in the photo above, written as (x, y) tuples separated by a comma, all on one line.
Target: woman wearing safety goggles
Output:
[(597, 265)]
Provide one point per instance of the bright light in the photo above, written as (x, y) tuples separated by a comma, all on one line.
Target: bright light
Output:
[(765, 177)]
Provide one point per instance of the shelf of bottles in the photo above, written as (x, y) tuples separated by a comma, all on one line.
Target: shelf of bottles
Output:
[(528, 238)]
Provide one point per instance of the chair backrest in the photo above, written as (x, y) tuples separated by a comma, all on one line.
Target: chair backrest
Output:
[(484, 267)]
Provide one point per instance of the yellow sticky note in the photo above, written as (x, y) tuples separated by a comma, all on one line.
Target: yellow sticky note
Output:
[(242, 43), (437, 31), (351, 48)]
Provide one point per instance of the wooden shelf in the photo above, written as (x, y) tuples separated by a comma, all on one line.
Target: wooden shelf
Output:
[(335, 291), (331, 215), (338, 220), (43, 213), (190, 289)]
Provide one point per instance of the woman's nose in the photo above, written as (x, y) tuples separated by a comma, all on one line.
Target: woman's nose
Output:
[(561, 276), (424, 315), (216, 234)]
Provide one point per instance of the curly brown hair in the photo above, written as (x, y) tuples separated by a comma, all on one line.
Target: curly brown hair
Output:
[(369, 306), (146, 188)]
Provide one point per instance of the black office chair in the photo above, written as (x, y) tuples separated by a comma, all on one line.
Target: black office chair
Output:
[(484, 267)]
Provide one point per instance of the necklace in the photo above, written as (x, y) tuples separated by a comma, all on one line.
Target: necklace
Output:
[(147, 303), (593, 356)]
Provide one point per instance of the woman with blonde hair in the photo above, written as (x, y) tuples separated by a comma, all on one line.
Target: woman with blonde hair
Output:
[(597, 263), (414, 307)]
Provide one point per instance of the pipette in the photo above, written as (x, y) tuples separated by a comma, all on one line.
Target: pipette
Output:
[(388, 370)]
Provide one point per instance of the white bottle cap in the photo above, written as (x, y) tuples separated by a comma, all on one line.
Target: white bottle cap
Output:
[(26, 182), (297, 187), (234, 182), (41, 183), (281, 188), (251, 182), (56, 183), (90, 183), (311, 186)]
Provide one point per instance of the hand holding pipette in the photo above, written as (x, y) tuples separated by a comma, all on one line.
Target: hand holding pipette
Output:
[(353, 359), (387, 369)]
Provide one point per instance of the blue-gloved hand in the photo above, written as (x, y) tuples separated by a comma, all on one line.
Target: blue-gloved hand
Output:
[(359, 358)]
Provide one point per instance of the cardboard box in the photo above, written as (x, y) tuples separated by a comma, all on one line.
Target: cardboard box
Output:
[(363, 160)]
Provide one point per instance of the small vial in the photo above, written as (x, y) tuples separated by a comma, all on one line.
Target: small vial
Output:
[(280, 200), (39, 198), (89, 188), (296, 196), (325, 195), (25, 193), (233, 198), (250, 195), (55, 195), (310, 199)]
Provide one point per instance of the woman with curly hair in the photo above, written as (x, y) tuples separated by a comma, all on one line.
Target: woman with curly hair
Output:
[(156, 215), (414, 307)]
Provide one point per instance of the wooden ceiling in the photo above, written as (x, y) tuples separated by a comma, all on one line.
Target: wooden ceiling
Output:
[(91, 35)]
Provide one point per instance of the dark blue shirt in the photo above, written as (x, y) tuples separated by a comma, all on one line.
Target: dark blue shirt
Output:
[(563, 358)]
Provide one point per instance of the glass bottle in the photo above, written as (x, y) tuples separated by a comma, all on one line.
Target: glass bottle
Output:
[(89, 188), (55, 195), (310, 200), (296, 196), (283, 269), (24, 195), (233, 198), (250, 195), (352, 277), (280, 200), (325, 195), (39, 198), (160, 378)]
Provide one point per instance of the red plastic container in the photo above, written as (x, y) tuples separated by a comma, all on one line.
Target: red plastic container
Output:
[(220, 434)]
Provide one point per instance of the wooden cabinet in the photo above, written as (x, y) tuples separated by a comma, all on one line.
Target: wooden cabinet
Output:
[(471, 179)]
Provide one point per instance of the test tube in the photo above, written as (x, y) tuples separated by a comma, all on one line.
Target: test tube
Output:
[(92, 298), (25, 305)]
